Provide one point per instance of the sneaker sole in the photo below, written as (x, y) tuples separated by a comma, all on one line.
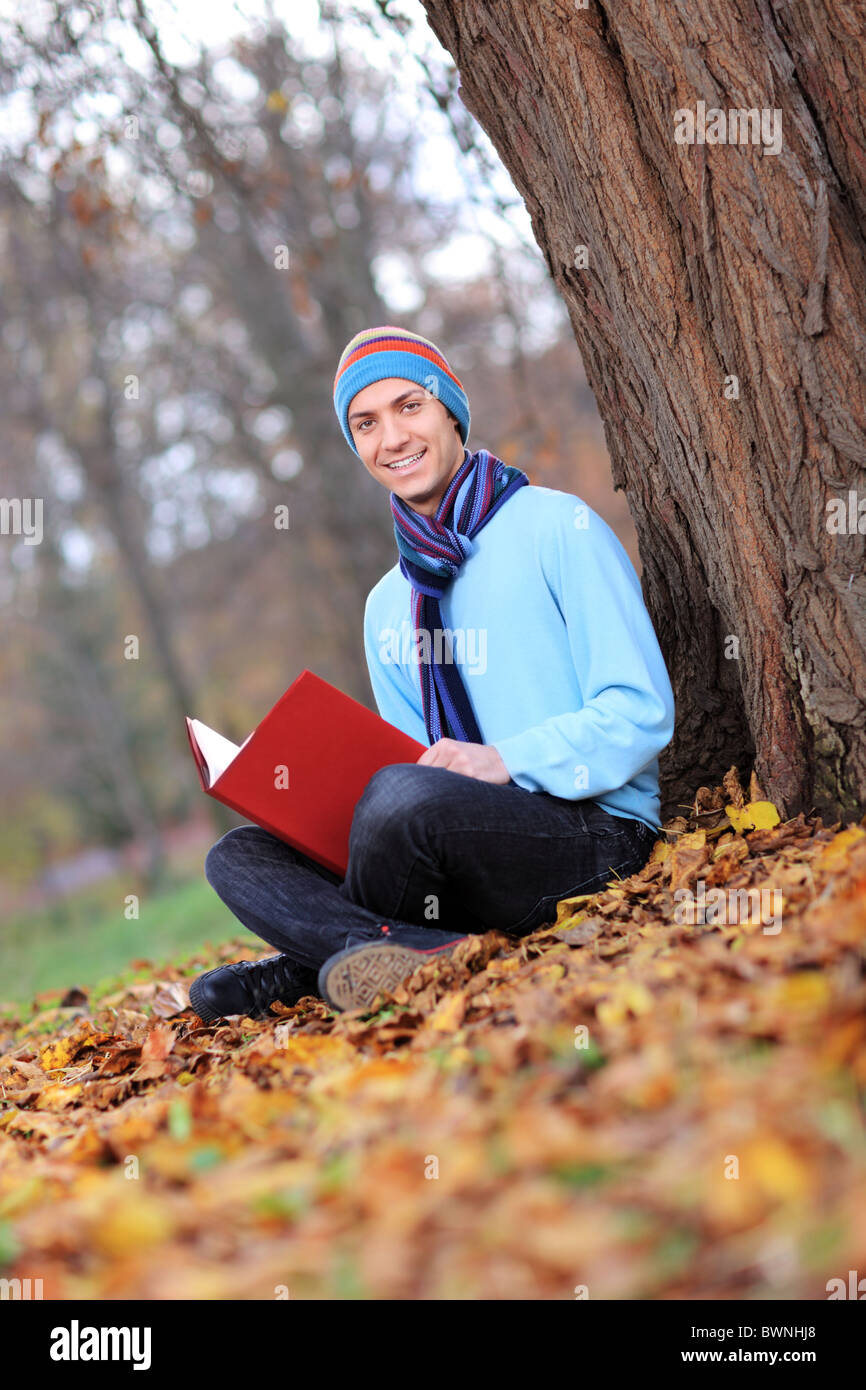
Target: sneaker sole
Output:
[(353, 978)]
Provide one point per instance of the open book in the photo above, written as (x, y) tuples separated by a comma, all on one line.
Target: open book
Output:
[(217, 752), (301, 771)]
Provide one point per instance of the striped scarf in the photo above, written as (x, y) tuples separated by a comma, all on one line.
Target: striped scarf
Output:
[(432, 549)]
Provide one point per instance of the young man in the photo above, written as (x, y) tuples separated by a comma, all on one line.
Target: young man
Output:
[(511, 637)]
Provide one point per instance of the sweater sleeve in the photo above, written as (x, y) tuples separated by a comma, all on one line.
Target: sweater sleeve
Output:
[(397, 699), (627, 712)]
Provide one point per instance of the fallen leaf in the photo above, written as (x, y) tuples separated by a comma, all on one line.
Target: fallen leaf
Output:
[(624, 999), (835, 854), (171, 998), (450, 1013), (756, 815), (581, 933)]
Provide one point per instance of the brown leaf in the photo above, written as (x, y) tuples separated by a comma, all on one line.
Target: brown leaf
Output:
[(582, 933), (118, 1060), (733, 790), (686, 861), (73, 997), (171, 998), (158, 1044), (538, 1005)]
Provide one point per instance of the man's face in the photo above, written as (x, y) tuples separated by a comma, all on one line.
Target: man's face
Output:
[(394, 420)]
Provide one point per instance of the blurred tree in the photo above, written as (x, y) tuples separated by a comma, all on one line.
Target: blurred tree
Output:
[(188, 245)]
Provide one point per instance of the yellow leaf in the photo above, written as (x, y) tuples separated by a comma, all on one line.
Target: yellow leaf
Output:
[(379, 1079), (449, 1014), (757, 815), (694, 839), (496, 968), (835, 854), (58, 1055), (639, 999), (276, 102), (634, 998), (324, 1047), (135, 1222), (568, 908), (551, 971), (804, 990), (25, 1121), (776, 1168), (56, 1096)]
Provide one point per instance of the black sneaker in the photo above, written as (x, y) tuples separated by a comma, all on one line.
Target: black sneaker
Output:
[(352, 978), (249, 986)]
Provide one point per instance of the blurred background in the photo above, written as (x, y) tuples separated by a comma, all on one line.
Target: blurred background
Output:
[(199, 206)]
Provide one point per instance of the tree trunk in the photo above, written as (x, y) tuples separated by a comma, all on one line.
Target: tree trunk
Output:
[(707, 262)]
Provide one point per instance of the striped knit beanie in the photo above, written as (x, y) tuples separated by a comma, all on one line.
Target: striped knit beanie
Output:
[(379, 353)]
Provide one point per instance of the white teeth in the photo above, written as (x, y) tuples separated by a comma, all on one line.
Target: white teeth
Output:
[(407, 463)]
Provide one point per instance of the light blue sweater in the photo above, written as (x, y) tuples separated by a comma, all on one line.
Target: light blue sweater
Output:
[(555, 648)]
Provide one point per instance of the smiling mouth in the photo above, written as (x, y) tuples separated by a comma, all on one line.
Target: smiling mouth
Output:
[(404, 465)]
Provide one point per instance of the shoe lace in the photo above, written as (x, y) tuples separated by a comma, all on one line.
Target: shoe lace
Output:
[(271, 979)]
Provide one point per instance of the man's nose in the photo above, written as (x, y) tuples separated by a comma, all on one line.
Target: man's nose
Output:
[(394, 431)]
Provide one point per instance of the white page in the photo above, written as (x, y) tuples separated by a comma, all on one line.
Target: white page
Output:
[(217, 751)]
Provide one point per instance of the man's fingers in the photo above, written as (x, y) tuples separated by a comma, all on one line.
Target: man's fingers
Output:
[(438, 753)]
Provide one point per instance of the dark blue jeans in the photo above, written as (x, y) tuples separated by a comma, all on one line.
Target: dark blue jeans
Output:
[(428, 848)]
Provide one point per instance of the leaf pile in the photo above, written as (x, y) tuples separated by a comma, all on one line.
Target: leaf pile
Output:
[(629, 1103)]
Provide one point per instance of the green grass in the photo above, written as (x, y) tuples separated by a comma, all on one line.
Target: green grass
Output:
[(88, 941)]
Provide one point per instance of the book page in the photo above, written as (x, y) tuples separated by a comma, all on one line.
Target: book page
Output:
[(217, 751)]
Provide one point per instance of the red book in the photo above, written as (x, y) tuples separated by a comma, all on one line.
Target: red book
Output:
[(301, 772)]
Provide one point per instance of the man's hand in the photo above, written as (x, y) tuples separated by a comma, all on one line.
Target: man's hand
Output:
[(479, 760)]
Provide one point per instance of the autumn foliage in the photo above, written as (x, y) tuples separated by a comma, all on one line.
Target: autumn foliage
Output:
[(624, 1104)]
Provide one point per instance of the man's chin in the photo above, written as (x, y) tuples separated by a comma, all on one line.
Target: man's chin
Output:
[(411, 494), (414, 486)]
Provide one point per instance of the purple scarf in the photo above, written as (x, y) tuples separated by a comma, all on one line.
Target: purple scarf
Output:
[(432, 549)]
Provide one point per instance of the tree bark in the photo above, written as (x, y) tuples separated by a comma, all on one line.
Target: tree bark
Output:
[(708, 262)]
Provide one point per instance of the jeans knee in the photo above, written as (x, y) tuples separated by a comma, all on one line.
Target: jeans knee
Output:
[(223, 855), (389, 799)]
